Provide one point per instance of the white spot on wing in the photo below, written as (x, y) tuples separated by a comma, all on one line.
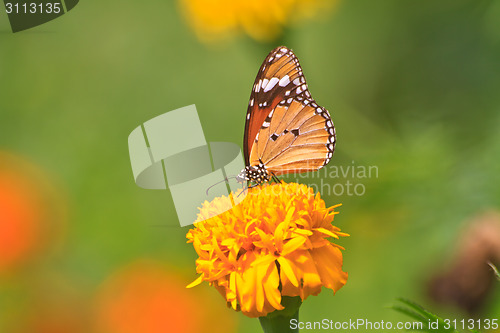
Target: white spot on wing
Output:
[(285, 80), (264, 84), (271, 84), (296, 81), (257, 89)]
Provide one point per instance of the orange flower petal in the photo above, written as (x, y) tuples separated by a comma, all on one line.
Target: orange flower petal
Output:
[(238, 249)]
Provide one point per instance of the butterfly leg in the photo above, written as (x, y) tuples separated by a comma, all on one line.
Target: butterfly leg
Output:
[(276, 179), (246, 188)]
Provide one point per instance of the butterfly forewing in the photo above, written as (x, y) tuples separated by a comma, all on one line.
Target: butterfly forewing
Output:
[(279, 80)]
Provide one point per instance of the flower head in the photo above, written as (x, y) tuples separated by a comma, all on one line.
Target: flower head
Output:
[(273, 244), (263, 20)]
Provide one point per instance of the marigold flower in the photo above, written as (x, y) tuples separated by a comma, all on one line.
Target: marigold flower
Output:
[(263, 20), (273, 244)]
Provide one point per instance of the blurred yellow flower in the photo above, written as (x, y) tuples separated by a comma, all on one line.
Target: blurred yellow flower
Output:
[(263, 20), (272, 244)]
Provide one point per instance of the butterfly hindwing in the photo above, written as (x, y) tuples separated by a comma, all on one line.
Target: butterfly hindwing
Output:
[(299, 137), (278, 82)]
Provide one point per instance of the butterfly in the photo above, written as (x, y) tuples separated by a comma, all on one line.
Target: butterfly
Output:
[(286, 131)]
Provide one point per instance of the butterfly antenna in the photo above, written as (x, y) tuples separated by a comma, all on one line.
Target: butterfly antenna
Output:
[(222, 181)]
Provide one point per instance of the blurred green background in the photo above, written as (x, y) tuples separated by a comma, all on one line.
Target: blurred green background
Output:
[(412, 87)]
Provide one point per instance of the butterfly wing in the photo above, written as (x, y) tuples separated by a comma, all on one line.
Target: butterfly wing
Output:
[(296, 137), (279, 79)]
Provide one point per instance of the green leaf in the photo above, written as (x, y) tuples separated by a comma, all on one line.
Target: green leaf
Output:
[(419, 309), (409, 313), (419, 313), (279, 321)]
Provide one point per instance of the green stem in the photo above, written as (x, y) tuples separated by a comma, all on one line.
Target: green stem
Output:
[(279, 321)]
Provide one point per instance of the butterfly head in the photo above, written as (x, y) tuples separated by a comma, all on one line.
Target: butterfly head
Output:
[(254, 173)]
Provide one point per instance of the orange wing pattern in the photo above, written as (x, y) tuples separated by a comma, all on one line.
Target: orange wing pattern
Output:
[(286, 130), (279, 79), (299, 138)]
